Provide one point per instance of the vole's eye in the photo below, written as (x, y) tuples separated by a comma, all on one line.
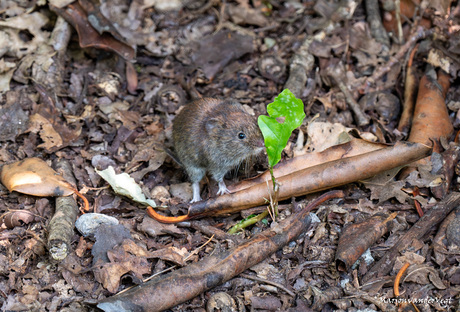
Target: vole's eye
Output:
[(241, 135)]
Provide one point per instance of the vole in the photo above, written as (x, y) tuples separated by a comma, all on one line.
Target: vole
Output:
[(213, 136)]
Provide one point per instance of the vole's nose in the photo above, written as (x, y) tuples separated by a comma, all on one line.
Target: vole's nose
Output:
[(260, 143)]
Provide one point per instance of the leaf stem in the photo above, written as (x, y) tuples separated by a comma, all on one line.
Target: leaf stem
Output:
[(276, 188)]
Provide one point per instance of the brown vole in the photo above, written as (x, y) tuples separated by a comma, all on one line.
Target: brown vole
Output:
[(213, 135)]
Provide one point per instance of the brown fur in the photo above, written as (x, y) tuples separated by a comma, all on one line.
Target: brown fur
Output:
[(206, 137)]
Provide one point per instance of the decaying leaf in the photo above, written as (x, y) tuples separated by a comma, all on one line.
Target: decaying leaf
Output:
[(33, 176), (46, 121), (154, 228), (124, 185), (384, 187), (424, 274), (123, 259), (309, 180), (49, 135), (75, 14), (357, 238), (12, 43), (172, 254), (15, 218)]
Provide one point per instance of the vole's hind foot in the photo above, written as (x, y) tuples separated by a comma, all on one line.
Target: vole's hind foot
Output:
[(222, 188)]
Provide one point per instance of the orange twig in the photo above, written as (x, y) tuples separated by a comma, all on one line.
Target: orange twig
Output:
[(411, 56), (153, 214), (398, 278), (418, 208), (85, 201)]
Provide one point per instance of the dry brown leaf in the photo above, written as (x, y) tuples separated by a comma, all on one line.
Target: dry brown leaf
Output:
[(33, 176), (351, 148), (241, 15), (125, 258), (47, 121), (15, 218), (358, 237), (154, 228), (75, 15), (384, 187), (51, 138), (172, 254), (424, 274)]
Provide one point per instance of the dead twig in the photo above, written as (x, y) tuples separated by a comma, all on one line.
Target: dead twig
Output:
[(420, 33), (61, 227), (262, 280)]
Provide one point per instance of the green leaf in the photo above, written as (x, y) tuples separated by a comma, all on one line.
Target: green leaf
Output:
[(277, 132)]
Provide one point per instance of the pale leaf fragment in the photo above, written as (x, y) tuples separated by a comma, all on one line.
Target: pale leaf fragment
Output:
[(124, 185)]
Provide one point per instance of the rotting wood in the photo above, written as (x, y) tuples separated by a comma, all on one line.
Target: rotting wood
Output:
[(61, 227)]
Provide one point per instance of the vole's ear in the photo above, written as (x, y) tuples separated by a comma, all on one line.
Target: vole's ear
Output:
[(211, 124)]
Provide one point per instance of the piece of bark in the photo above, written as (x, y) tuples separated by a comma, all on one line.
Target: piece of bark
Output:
[(357, 238), (300, 65), (164, 292), (375, 23), (61, 226), (410, 93), (416, 232), (431, 119), (450, 159)]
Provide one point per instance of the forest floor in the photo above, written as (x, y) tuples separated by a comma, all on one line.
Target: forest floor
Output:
[(89, 87)]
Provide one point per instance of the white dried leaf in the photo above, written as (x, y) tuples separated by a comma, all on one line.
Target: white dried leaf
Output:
[(124, 185)]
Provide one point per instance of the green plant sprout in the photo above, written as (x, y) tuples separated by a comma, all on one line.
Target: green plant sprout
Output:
[(286, 114)]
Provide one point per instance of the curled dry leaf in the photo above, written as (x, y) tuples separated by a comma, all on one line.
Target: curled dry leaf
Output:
[(75, 15), (15, 218), (313, 179), (351, 148), (424, 274), (357, 238), (431, 118), (33, 176)]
